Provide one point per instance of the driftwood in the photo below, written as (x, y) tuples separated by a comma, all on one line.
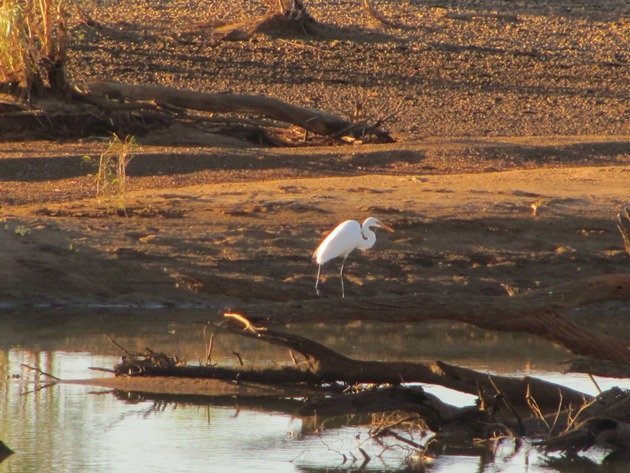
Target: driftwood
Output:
[(310, 119), (539, 312), (567, 420), (325, 367)]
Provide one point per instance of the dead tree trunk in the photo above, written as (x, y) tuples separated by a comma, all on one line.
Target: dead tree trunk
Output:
[(310, 119), (326, 367)]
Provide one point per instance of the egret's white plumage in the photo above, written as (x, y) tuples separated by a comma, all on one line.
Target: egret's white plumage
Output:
[(346, 237)]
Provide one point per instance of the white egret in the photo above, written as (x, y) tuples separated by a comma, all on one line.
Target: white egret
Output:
[(343, 240)]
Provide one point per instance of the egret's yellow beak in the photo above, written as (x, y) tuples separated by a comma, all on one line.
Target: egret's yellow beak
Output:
[(387, 227)]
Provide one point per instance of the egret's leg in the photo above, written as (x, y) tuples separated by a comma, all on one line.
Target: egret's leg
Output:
[(319, 268), (343, 292)]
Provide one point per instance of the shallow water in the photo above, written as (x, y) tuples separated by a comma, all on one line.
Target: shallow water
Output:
[(79, 428)]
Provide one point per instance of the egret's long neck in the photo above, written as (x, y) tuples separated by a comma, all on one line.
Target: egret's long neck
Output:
[(369, 238)]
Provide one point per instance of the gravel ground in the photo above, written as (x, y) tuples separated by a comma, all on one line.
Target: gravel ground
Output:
[(467, 68)]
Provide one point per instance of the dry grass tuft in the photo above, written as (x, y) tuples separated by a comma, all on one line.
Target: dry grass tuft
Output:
[(111, 171), (33, 41)]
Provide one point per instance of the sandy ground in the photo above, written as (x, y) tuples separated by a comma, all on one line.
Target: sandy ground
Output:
[(485, 233), (511, 160)]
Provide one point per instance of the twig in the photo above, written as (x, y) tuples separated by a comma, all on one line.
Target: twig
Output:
[(125, 351), (337, 451), (366, 458), (572, 420), (521, 425), (391, 433), (533, 405), (387, 117), (41, 372), (38, 388), (599, 390), (242, 319), (394, 424), (555, 419), (209, 344), (239, 357), (98, 368)]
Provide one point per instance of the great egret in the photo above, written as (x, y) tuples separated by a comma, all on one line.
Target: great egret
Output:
[(343, 240)]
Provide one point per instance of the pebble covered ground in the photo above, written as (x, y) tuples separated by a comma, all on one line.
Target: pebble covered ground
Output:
[(456, 68)]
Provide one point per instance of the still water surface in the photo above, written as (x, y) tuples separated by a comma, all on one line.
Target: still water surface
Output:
[(74, 428)]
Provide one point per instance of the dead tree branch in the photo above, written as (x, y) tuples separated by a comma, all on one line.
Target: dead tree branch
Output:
[(438, 415)]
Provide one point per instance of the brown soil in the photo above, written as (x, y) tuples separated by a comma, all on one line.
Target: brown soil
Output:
[(510, 166)]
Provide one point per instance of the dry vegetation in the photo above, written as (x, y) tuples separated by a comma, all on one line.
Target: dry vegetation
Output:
[(33, 46)]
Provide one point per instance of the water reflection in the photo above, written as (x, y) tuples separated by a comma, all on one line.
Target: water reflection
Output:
[(181, 333), (79, 428)]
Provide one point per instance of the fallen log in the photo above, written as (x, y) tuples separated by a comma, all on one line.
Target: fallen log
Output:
[(325, 374), (539, 312), (569, 421), (310, 119), (326, 367)]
